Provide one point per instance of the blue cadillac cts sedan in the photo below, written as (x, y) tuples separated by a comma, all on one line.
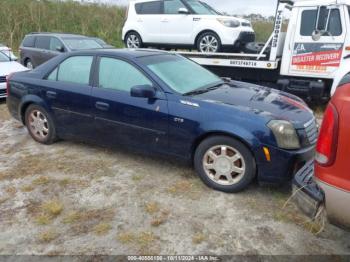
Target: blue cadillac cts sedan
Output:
[(162, 103)]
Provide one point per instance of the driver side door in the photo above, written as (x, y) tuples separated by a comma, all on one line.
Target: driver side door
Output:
[(123, 119)]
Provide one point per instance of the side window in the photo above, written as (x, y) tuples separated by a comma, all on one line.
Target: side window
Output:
[(53, 75), (55, 44), (75, 69), (149, 8), (120, 75), (334, 24), (29, 41), (308, 22), (42, 42), (173, 6)]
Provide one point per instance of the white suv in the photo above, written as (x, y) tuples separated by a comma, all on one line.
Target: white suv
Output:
[(184, 24)]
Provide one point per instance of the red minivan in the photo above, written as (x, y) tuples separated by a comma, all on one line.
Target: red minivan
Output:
[(327, 179)]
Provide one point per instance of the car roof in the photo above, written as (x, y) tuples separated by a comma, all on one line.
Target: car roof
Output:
[(126, 53), (55, 34)]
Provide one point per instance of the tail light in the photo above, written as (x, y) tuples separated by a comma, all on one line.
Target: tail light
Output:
[(326, 149), (8, 84)]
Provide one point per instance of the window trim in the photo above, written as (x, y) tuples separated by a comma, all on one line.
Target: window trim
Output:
[(140, 69)]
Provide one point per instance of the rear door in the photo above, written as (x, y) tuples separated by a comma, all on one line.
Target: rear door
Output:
[(67, 92), (176, 28), (123, 119), (42, 46), (148, 19), (318, 41)]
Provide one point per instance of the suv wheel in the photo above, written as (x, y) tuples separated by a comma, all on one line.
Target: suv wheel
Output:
[(209, 42), (224, 164), (133, 40), (29, 64), (40, 125)]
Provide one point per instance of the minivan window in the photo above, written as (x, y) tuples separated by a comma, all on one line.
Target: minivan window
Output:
[(149, 8), (28, 41), (75, 69), (119, 75), (81, 43), (42, 42), (173, 6), (55, 44)]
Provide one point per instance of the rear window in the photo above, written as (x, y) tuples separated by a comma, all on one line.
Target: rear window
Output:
[(28, 41), (42, 42), (149, 8)]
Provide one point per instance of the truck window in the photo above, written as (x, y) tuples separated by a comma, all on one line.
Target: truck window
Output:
[(328, 20)]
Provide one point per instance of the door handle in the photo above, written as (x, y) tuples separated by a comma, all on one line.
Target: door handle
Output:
[(51, 94), (165, 21), (102, 106)]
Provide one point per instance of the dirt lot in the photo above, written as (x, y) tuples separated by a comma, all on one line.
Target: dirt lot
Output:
[(72, 198)]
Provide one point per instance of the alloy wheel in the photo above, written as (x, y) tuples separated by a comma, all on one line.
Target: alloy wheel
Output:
[(224, 165), (209, 44), (133, 41), (38, 125)]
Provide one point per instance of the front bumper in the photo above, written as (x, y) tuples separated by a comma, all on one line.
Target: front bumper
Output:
[(283, 165), (307, 194), (3, 90)]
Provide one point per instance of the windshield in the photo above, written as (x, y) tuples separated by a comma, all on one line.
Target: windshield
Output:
[(4, 57), (201, 8), (180, 74), (81, 43)]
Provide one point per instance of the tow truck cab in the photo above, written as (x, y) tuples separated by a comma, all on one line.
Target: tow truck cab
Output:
[(302, 59)]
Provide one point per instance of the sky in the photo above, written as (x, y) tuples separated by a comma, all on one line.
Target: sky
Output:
[(239, 7)]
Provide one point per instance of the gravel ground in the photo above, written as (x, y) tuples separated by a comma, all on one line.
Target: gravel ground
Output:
[(72, 198)]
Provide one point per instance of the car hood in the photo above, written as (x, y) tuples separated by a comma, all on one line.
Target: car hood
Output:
[(7, 68), (267, 102), (224, 17)]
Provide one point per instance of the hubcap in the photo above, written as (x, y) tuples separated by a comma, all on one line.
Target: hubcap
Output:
[(38, 124), (208, 44), (133, 41), (224, 165)]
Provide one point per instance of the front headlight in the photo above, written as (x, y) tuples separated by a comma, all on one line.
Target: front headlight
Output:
[(285, 134), (229, 22)]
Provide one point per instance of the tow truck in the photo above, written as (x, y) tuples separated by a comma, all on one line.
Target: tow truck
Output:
[(304, 59)]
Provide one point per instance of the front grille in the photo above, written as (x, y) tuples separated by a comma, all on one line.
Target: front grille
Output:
[(2, 92), (311, 130), (246, 37), (2, 79)]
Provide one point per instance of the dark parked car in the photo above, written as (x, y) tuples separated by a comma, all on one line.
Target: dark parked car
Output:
[(163, 103), (37, 48)]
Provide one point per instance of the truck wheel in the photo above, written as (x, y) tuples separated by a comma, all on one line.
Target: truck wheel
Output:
[(255, 48), (208, 42), (133, 40), (40, 125), (224, 164)]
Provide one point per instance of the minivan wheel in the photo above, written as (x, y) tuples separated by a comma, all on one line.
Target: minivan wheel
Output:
[(40, 125), (29, 64), (224, 164), (208, 42), (133, 40)]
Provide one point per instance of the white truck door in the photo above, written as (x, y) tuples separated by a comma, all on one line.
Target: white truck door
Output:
[(318, 44)]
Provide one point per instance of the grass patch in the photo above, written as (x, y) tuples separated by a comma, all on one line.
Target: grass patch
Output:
[(198, 238), (145, 239), (152, 207), (3, 200), (72, 217), (11, 190), (102, 229), (137, 178), (53, 208), (43, 219), (41, 181), (126, 237), (47, 236), (161, 219)]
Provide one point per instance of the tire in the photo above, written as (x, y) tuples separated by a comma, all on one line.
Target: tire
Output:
[(237, 158), (255, 48), (28, 64), (133, 40), (204, 40), (40, 125)]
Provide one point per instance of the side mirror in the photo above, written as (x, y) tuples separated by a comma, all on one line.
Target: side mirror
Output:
[(183, 11), (145, 91), (316, 35), (60, 49)]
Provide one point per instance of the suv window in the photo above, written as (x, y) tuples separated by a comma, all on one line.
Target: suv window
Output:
[(29, 41), (149, 8), (55, 44), (173, 6), (42, 42), (327, 19), (119, 75), (75, 69)]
